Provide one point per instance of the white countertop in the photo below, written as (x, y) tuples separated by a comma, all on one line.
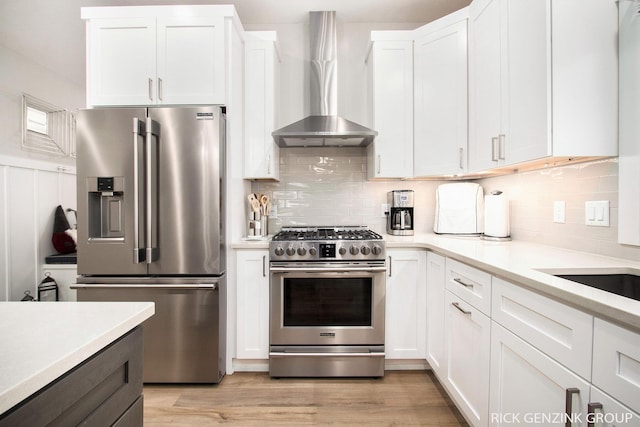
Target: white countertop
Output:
[(520, 262), (40, 341)]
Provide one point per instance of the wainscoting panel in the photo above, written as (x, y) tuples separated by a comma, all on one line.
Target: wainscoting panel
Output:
[(29, 194)]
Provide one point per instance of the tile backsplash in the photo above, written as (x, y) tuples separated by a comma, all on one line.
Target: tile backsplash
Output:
[(328, 186)]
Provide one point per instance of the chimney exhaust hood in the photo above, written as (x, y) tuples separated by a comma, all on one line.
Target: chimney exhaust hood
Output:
[(323, 127)]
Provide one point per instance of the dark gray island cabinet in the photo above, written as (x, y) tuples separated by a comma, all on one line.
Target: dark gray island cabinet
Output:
[(105, 390), (72, 363)]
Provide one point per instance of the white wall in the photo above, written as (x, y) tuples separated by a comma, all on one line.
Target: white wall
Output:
[(31, 184)]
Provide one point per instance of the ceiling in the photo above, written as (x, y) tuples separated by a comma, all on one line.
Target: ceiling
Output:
[(51, 33)]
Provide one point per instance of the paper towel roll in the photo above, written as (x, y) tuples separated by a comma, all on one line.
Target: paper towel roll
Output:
[(496, 215)]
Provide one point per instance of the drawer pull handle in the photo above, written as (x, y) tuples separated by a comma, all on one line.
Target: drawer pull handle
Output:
[(568, 405), (463, 283), (462, 310), (591, 411)]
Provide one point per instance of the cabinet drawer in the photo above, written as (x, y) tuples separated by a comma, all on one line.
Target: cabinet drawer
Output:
[(560, 331), (616, 362), (470, 284)]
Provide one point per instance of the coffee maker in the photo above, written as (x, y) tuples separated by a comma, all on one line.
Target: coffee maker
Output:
[(400, 215)]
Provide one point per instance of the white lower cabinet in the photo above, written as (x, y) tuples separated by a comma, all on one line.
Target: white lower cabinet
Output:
[(468, 333), (435, 313), (562, 332), (528, 387), (252, 321), (405, 322), (616, 362), (605, 411)]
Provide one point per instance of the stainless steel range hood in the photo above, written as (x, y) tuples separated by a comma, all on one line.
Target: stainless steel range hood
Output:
[(323, 127)]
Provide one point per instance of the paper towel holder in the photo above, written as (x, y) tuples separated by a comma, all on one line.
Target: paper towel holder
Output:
[(490, 237)]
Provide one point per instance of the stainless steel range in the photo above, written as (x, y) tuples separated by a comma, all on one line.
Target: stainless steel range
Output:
[(327, 302)]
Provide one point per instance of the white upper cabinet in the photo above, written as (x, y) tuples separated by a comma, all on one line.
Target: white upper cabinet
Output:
[(160, 55), (121, 61), (261, 153), (629, 160), (390, 79), (542, 81), (440, 97)]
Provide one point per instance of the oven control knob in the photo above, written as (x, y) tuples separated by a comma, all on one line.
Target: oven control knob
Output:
[(365, 250), (312, 251), (377, 250), (353, 250), (278, 251), (342, 250), (302, 251), (291, 251)]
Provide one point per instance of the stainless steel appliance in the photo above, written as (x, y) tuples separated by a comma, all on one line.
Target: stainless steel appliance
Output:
[(150, 185), (327, 302), (323, 127), (400, 218)]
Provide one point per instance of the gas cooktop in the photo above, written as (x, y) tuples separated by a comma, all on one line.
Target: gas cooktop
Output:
[(326, 243), (355, 232)]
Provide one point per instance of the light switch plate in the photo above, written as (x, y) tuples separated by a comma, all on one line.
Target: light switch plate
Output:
[(596, 213), (559, 211)]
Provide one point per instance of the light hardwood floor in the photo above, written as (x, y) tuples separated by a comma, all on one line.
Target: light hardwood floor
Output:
[(401, 398)]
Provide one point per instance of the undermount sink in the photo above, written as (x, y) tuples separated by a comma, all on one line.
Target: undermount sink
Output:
[(624, 282)]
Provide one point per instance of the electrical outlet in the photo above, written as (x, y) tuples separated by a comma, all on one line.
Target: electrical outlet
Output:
[(559, 211), (273, 213), (596, 213), (384, 209)]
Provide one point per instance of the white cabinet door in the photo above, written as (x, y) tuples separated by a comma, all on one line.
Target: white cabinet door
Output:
[(252, 304), (527, 384), (616, 362), (468, 351), (405, 318), (604, 411), (191, 60), (436, 313), (121, 55), (485, 83), (390, 67), (440, 100), (527, 74), (261, 153)]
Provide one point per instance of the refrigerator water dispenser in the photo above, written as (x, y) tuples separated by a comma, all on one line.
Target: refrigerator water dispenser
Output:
[(106, 207)]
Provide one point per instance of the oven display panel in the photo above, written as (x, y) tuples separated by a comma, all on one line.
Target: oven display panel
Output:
[(327, 250)]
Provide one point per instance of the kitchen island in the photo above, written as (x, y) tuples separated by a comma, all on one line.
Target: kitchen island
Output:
[(61, 360)]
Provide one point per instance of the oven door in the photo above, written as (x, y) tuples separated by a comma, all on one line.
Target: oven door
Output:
[(327, 304)]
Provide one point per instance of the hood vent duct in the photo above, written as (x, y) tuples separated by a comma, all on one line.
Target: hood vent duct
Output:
[(323, 127)]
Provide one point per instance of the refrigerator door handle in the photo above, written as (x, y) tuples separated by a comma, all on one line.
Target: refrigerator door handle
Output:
[(153, 130), (138, 252), (212, 286)]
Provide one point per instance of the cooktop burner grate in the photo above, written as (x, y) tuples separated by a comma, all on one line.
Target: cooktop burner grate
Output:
[(326, 233)]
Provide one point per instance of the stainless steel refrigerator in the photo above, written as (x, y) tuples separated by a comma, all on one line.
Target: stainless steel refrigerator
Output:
[(150, 185)]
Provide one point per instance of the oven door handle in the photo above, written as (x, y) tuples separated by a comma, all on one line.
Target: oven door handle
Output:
[(329, 354), (327, 269)]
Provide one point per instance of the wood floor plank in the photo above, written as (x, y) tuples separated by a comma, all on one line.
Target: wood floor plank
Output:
[(252, 399)]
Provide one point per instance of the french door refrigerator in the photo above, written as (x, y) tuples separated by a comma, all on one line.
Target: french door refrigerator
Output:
[(150, 185)]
